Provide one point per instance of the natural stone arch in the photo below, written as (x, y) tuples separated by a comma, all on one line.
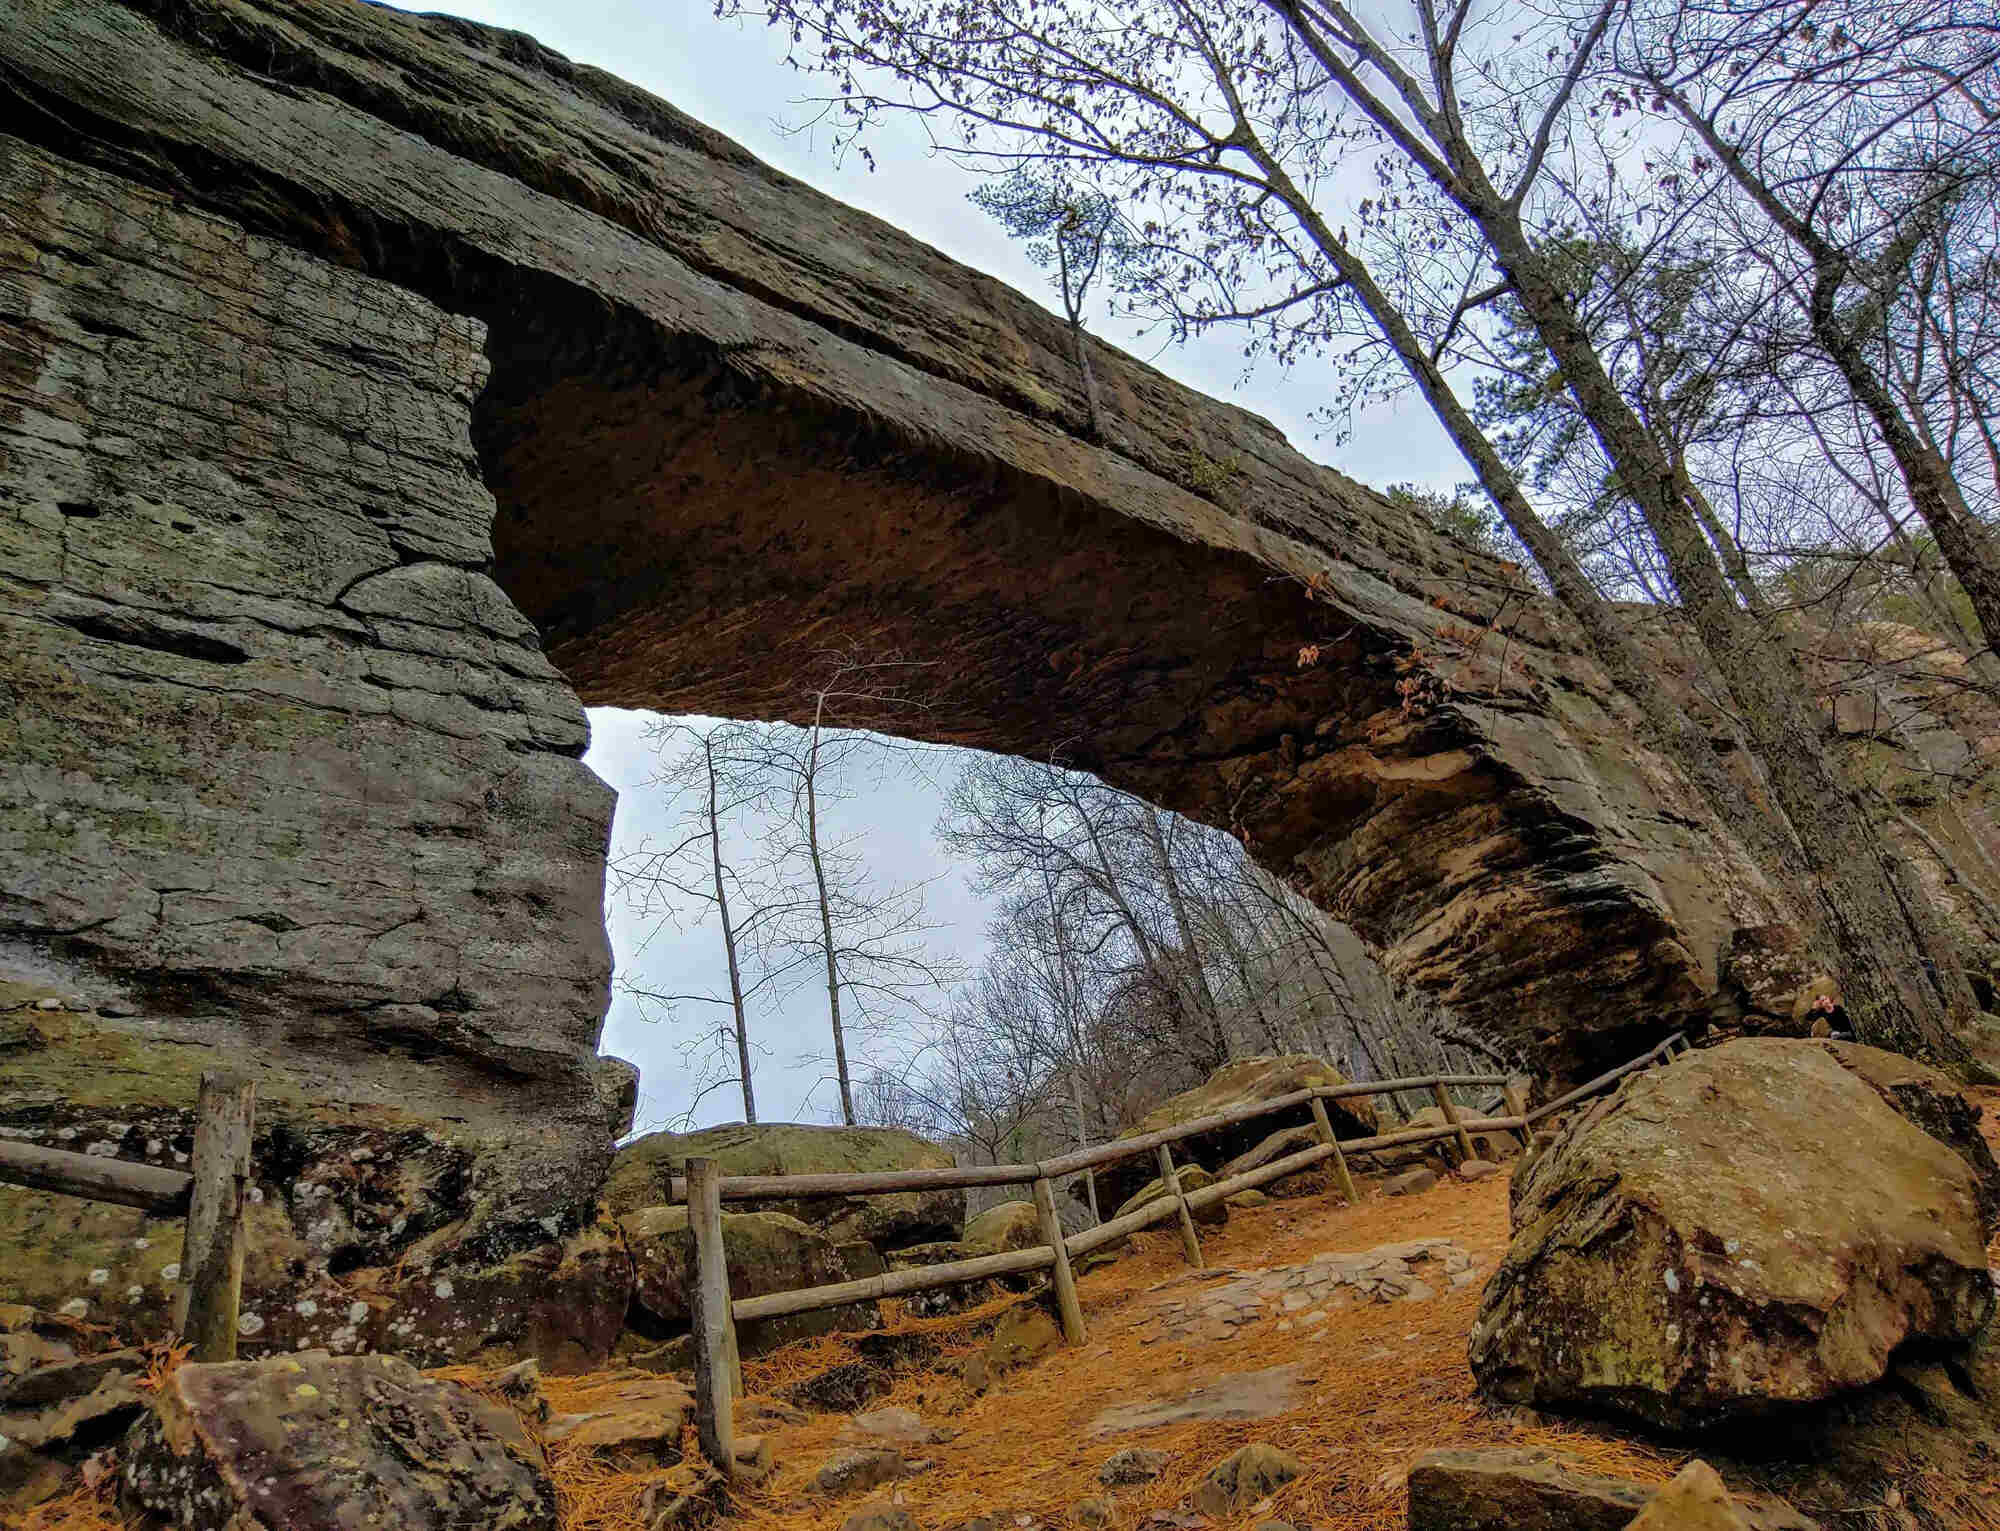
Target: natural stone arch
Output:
[(716, 414)]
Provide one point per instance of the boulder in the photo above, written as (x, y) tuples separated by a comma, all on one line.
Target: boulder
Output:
[(1756, 1225), (316, 1442), (640, 1173), (56, 1408), (1238, 1083), (1192, 1177), (561, 1304), (1410, 1182), (1023, 1335), (1510, 1488), (764, 1251), (1004, 1226), (1250, 1200), (893, 1427), (1243, 1477), (934, 1302), (1696, 1500), (1477, 1169), (634, 1425), (1982, 1045)]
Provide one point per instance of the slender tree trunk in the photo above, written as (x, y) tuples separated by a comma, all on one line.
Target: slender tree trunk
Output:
[(1667, 724), (1080, 349), (826, 931), (1076, 1116), (1190, 946), (729, 942), (1968, 547)]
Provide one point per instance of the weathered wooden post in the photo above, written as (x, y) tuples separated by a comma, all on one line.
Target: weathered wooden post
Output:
[(1517, 1105), (716, 1380), (1170, 1178), (1443, 1097), (207, 1305), (1065, 1279), (1326, 1135)]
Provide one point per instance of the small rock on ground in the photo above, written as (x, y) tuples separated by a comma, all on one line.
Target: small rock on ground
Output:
[(862, 1467), (1243, 1477), (1135, 1464)]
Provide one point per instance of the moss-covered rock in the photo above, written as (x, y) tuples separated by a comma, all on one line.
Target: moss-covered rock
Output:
[(765, 1252), (1192, 1178), (1004, 1226), (1756, 1225), (1239, 1083), (640, 1174)]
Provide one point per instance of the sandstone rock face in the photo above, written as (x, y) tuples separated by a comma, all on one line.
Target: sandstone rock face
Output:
[(1241, 1082), (659, 351), (640, 1173), (1757, 1225), (290, 783), (315, 1442)]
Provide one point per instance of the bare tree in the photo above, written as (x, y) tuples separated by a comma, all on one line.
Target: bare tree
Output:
[(1852, 156), (709, 777), (867, 941)]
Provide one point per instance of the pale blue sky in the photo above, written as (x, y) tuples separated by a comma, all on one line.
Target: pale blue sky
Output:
[(732, 76)]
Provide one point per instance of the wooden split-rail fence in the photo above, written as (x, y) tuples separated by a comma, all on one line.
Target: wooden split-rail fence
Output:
[(715, 1315), (212, 1194), (211, 1199)]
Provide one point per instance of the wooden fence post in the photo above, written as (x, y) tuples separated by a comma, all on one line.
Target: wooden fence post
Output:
[(1065, 1279), (1517, 1105), (207, 1305), (1326, 1135), (716, 1378), (1171, 1179), (1443, 1097)]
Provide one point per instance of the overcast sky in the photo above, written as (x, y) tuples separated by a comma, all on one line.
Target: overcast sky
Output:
[(732, 77)]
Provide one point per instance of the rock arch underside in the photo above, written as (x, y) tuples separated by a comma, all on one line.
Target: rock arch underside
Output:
[(376, 391)]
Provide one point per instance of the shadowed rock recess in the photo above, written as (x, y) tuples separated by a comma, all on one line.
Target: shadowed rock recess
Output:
[(376, 388)]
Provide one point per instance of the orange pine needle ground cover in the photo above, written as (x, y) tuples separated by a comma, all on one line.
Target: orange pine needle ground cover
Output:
[(1391, 1381)]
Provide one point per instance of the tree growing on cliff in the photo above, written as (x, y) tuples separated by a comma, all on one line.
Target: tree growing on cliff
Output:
[(1370, 188), (1077, 232)]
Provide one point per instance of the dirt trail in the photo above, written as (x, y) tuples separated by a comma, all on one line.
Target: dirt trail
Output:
[(1381, 1382)]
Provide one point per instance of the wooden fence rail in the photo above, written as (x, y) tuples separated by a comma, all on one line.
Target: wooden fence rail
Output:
[(718, 1376), (209, 1295)]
